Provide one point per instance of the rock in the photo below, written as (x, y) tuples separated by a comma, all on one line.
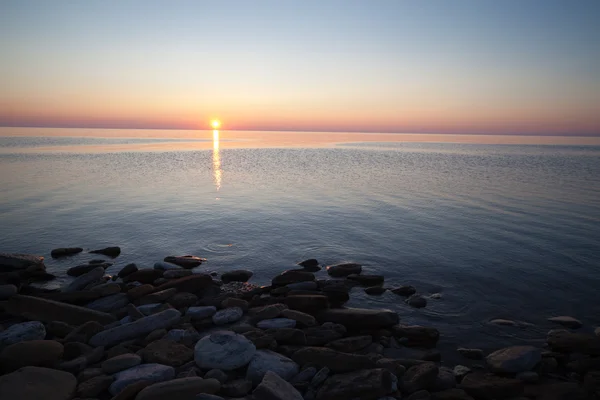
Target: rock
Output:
[(38, 353), (367, 280), (119, 363), (490, 387), (305, 375), (185, 261), (569, 322), (416, 335), (204, 396), (307, 303), (236, 388), (569, 342), (344, 269), (337, 295), (273, 387), (127, 270), (153, 373), (319, 335), (201, 312), (597, 332), (149, 309), (471, 354), (359, 318), (451, 394), (217, 374), (417, 301), (405, 291), (394, 366), (460, 371), (94, 386), (144, 276), (13, 261), (235, 302), (85, 268), (276, 323), (292, 276), (224, 350), (445, 379), (363, 384), (35, 383), (266, 312), (334, 360), (227, 315), (502, 322), (167, 352), (196, 283), (421, 376), (177, 273), (158, 297), (7, 291), (106, 289), (109, 303), (298, 316), (164, 319), (238, 275), (83, 280), (65, 251), (514, 359), (181, 389), (375, 290), (267, 360), (163, 266), (77, 297), (307, 285), (351, 344), (140, 291), (288, 336), (528, 376), (182, 300), (108, 251), (22, 332), (310, 265)]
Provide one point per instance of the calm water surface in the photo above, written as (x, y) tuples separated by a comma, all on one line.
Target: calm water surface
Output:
[(500, 231)]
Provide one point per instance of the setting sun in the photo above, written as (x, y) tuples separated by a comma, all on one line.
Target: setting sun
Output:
[(215, 123)]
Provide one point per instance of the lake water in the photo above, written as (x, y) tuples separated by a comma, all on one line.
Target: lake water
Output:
[(498, 230)]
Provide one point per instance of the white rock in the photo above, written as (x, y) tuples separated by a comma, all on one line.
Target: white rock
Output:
[(223, 350), (276, 323), (514, 359), (23, 332), (227, 315), (82, 281), (201, 312), (144, 372), (267, 360)]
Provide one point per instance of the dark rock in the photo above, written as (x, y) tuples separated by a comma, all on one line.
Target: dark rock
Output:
[(451, 394), (234, 302), (239, 275), (292, 276), (236, 388), (185, 261), (266, 312), (140, 291), (491, 387), (310, 265), (120, 363), (94, 386), (350, 344), (359, 318), (363, 384), (58, 329), (144, 275), (7, 291), (560, 391), (367, 280), (223, 350), (307, 303), (183, 299), (305, 375), (565, 341), (288, 336), (35, 383), (334, 360), (471, 354), (127, 270), (569, 322), (37, 353), (375, 290), (273, 387), (195, 284), (167, 352), (416, 335), (405, 291), (109, 303), (158, 297), (417, 301), (418, 377), (180, 389), (84, 332), (344, 269), (65, 251), (394, 366), (267, 360), (108, 251), (337, 294), (78, 297), (11, 262), (300, 317), (85, 268), (261, 339), (514, 359), (319, 336)]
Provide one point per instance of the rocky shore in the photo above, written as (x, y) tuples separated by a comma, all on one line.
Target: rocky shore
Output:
[(173, 332)]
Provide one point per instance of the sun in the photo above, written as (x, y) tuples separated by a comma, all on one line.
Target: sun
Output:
[(215, 123)]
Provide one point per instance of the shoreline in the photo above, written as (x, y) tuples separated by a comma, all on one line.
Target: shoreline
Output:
[(150, 333)]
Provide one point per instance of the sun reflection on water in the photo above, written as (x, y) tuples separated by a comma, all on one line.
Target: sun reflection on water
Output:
[(216, 160)]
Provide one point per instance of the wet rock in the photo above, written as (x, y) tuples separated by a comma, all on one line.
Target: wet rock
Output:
[(109, 303), (37, 353), (367, 280), (185, 261), (22, 332), (223, 350), (113, 251), (514, 359), (276, 323), (120, 363), (227, 315), (405, 291), (565, 341), (201, 312), (167, 352), (359, 318), (141, 327), (421, 376), (471, 354), (177, 273), (65, 251), (337, 295), (334, 360), (363, 384), (183, 388), (94, 386), (127, 270), (35, 383), (7, 291), (83, 280), (85, 268), (300, 317), (14, 261), (307, 303), (292, 276), (344, 269), (417, 301), (416, 335), (273, 387), (351, 344), (144, 276), (163, 266), (375, 290), (567, 321), (491, 387), (310, 265), (267, 360), (502, 322), (238, 275), (152, 373), (196, 284)]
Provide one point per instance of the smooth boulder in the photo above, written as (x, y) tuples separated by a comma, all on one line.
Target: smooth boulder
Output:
[(15, 261), (82, 281), (514, 359), (38, 353), (65, 251), (273, 387), (344, 269), (33, 330), (267, 360), (223, 350), (112, 251), (145, 372)]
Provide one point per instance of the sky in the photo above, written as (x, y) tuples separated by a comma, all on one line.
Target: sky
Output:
[(436, 66)]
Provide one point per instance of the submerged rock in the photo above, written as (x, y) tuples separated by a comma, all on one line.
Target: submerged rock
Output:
[(292, 276), (417, 301), (65, 251), (344, 269), (185, 261), (238, 275), (367, 280), (310, 265), (405, 291), (113, 251)]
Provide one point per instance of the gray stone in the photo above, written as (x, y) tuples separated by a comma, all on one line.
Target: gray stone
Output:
[(567, 321), (22, 332), (119, 363), (10, 261), (145, 372), (7, 291), (83, 280), (143, 326), (227, 315), (299, 316), (109, 303), (201, 312), (223, 350), (273, 387), (276, 323), (421, 376), (267, 360), (164, 266), (217, 374), (514, 359)]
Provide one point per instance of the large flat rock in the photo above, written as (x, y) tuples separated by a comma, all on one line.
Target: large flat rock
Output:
[(359, 317), (36, 383)]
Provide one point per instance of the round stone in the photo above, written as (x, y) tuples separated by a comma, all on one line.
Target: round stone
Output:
[(223, 350), (227, 315)]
